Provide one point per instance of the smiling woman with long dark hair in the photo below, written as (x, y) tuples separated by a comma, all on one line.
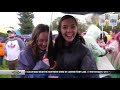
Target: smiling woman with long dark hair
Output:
[(70, 51)]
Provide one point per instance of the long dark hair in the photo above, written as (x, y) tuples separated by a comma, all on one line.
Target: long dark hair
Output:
[(115, 30), (60, 41), (34, 41)]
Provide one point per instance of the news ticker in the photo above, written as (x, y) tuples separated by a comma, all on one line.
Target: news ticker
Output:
[(23, 72)]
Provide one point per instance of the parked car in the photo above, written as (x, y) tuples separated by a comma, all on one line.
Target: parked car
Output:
[(1, 38), (26, 37), (54, 34)]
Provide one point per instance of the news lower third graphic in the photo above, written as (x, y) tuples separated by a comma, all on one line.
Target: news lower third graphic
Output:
[(77, 72), (12, 72), (23, 72)]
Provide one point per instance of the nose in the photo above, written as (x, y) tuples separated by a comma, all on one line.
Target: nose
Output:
[(69, 30), (45, 43)]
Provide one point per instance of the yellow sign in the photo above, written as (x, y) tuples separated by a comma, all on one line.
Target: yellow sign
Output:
[(108, 37)]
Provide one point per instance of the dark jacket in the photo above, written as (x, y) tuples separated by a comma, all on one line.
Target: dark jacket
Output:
[(76, 57)]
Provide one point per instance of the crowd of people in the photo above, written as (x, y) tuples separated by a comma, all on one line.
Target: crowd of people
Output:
[(71, 51)]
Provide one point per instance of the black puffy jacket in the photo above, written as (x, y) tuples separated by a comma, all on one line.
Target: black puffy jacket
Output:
[(76, 57)]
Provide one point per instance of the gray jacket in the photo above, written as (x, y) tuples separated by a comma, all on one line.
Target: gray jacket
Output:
[(27, 62)]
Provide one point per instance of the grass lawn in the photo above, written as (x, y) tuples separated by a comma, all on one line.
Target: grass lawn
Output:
[(4, 67)]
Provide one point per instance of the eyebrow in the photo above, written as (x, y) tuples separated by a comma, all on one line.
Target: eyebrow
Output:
[(71, 25), (65, 25)]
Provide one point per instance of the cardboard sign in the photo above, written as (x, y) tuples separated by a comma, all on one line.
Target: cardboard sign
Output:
[(113, 19), (101, 20)]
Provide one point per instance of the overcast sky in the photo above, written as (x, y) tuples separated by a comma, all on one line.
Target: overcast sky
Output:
[(11, 18)]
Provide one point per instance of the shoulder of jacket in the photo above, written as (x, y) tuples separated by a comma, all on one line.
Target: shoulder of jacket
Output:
[(85, 46), (81, 44), (18, 39)]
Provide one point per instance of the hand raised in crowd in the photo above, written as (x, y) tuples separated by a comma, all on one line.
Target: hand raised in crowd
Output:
[(109, 49), (101, 43)]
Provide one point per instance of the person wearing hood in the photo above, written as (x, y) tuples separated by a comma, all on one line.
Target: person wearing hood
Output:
[(91, 36), (99, 53)]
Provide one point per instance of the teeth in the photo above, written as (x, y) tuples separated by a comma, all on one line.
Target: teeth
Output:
[(69, 35)]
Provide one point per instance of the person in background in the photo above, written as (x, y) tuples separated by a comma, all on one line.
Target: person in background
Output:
[(1, 52), (103, 37), (114, 54), (113, 33), (99, 53), (114, 49), (2, 44), (102, 40), (12, 49), (91, 36)]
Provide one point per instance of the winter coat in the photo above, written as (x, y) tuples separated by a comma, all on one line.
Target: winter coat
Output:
[(76, 57), (27, 62)]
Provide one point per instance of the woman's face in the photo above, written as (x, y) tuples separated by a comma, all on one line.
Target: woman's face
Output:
[(112, 34), (68, 29), (42, 40)]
